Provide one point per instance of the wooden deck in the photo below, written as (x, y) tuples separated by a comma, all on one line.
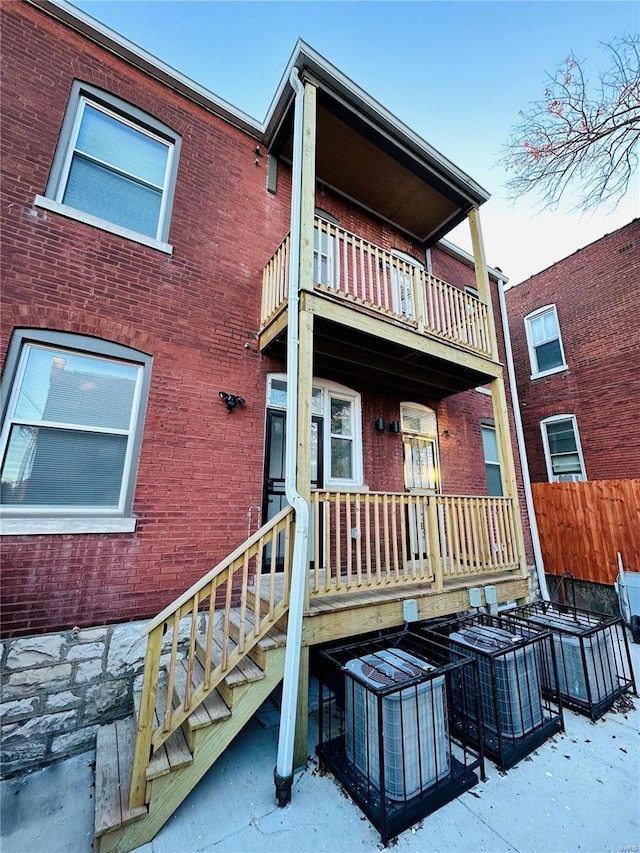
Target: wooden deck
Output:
[(216, 654), (335, 617)]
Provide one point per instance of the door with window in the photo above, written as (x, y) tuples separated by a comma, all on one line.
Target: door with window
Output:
[(336, 444), (421, 475), (274, 498), (403, 271)]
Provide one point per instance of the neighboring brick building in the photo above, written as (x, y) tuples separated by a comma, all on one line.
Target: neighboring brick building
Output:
[(576, 353)]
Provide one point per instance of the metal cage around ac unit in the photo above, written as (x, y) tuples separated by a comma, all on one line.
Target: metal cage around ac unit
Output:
[(512, 715), (411, 722), (591, 651), (384, 727)]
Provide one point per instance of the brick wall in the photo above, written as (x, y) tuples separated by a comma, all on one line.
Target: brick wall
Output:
[(193, 312), (200, 472), (597, 295)]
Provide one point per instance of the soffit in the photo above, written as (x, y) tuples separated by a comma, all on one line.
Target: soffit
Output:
[(361, 162)]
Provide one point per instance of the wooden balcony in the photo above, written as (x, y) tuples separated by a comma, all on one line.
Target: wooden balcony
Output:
[(375, 309)]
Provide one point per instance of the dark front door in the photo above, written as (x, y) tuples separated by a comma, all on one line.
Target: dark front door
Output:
[(274, 498)]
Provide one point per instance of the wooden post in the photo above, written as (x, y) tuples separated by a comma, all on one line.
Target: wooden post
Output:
[(435, 551), (507, 463), (146, 716), (482, 278), (308, 191), (305, 383), (498, 393)]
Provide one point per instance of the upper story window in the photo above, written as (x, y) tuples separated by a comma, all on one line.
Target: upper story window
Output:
[(114, 167), (562, 450), (325, 247), (402, 275), (544, 341), (71, 428), (491, 459)]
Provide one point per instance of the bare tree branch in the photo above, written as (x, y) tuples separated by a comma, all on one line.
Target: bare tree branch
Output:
[(580, 140)]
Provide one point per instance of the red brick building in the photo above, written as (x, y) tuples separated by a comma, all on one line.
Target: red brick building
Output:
[(576, 353), (139, 215)]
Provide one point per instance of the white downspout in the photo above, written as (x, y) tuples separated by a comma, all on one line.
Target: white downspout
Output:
[(283, 776), (524, 464)]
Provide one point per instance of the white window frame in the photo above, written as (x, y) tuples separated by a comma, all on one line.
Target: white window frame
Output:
[(328, 391), (83, 95), (407, 432), (553, 478), (399, 280), (535, 373), (329, 257), (43, 519)]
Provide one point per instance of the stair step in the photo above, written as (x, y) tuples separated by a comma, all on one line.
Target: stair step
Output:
[(245, 671), (265, 592), (114, 759), (174, 752), (275, 638), (212, 710)]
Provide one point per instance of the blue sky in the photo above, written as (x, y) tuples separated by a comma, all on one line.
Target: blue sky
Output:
[(456, 72)]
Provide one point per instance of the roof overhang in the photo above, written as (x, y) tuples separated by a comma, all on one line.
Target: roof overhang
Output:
[(371, 157)]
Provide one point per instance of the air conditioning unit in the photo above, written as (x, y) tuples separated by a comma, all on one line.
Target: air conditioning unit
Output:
[(569, 478), (508, 677), (583, 658), (414, 723)]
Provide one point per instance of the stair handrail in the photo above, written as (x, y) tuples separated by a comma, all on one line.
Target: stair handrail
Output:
[(190, 602), (198, 586)]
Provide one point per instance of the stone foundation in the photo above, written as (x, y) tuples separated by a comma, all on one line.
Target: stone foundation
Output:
[(599, 597), (58, 688)]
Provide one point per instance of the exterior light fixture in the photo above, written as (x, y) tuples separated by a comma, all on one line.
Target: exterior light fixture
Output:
[(231, 400), (394, 426), (379, 424)]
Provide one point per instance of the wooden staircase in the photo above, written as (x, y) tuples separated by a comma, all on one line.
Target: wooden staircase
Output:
[(179, 764), (209, 667)]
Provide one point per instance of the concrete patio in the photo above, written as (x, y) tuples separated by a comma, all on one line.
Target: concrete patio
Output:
[(580, 791)]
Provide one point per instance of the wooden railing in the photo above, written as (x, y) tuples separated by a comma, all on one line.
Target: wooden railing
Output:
[(477, 535), (350, 268), (194, 642), (275, 281), (379, 539)]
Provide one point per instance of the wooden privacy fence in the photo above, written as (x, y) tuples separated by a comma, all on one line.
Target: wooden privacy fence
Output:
[(582, 526)]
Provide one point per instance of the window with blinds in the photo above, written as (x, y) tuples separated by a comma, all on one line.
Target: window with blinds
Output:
[(115, 163), (70, 431)]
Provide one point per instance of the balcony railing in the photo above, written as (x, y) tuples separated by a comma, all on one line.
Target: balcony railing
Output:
[(348, 268), (381, 539)]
